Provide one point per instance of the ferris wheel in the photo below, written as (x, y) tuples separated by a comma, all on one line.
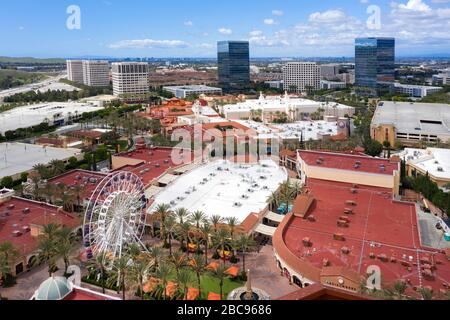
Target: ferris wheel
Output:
[(115, 216)]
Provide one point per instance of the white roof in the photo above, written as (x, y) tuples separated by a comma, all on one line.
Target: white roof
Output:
[(16, 158), (224, 188), (419, 118), (291, 131), (27, 116), (266, 230), (432, 160), (281, 102), (272, 216)]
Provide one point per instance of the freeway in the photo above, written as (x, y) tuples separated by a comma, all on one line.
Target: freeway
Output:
[(47, 83)]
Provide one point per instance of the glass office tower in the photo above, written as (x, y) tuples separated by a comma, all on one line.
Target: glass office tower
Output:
[(375, 62), (234, 64)]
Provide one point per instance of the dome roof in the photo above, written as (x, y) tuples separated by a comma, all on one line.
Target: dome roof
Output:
[(54, 288)]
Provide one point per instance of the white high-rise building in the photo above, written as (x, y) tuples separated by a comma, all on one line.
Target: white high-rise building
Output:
[(96, 73), (301, 76), (130, 78), (75, 70)]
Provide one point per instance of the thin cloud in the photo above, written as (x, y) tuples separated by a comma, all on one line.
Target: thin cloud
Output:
[(148, 43)]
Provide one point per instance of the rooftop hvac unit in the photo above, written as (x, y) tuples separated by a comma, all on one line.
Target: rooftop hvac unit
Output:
[(339, 237), (345, 250), (11, 206), (353, 191), (348, 211), (26, 211), (350, 203), (16, 233)]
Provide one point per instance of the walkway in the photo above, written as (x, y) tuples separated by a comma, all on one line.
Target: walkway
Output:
[(266, 275)]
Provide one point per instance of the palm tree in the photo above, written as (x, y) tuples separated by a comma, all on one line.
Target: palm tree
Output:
[(134, 250), (156, 255), (100, 265), (198, 217), (182, 214), (62, 233), (163, 212), (220, 274), (8, 253), (206, 230), (244, 243), (51, 231), (170, 229), (58, 167), (63, 250), (183, 279), (198, 266), (48, 251), (78, 193), (121, 267), (163, 273), (220, 241), (274, 200), (42, 170), (178, 260), (426, 294), (397, 292), (184, 231), (137, 275), (215, 221), (48, 192), (232, 223), (67, 201)]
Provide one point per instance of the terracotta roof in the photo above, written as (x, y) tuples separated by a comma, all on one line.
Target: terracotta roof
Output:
[(341, 272), (349, 162), (250, 222), (320, 292), (302, 205)]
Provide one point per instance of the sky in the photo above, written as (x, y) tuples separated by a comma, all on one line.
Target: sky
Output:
[(191, 28)]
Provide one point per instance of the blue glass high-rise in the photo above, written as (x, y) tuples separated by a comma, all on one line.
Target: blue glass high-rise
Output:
[(375, 62), (234, 64)]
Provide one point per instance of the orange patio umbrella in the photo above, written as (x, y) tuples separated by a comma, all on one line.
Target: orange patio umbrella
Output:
[(233, 271), (192, 294), (213, 266), (151, 285), (171, 289), (214, 296)]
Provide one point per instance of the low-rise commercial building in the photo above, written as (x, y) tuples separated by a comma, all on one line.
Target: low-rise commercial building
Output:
[(18, 158), (21, 223), (416, 91), (332, 85), (348, 222), (411, 123), (432, 161), (183, 92), (296, 109)]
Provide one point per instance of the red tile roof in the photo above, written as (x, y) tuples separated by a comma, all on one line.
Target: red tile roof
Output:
[(155, 162), (88, 180), (380, 232), (320, 292), (14, 216), (347, 162)]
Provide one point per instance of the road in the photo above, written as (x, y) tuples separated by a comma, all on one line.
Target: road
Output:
[(29, 87)]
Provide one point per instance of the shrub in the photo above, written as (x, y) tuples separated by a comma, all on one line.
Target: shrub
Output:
[(216, 256)]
